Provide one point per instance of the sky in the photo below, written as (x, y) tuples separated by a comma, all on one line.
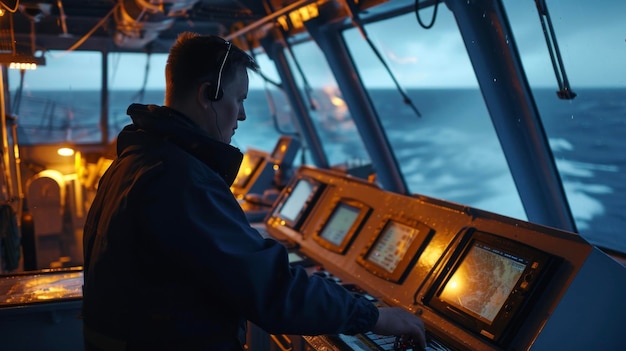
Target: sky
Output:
[(591, 36)]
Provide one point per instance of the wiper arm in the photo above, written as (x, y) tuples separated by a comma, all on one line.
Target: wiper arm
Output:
[(565, 92)]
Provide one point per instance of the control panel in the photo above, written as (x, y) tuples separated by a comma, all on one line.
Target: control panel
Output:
[(262, 175), (480, 281)]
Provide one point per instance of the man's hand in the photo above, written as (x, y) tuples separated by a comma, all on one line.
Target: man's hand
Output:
[(397, 321)]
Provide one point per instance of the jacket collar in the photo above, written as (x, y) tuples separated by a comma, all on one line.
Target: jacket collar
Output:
[(161, 122)]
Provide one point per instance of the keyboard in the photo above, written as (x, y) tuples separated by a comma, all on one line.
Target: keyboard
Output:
[(370, 341), (260, 227)]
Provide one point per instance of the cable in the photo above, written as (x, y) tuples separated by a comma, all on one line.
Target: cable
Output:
[(219, 74), (270, 99), (91, 31), (307, 86), (219, 130), (62, 17), (357, 23), (419, 19), (140, 94), (305, 82), (260, 72), (12, 10)]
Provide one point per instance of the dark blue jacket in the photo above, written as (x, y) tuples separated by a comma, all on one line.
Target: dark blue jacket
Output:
[(171, 260)]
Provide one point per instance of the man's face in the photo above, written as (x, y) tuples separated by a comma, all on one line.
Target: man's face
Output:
[(227, 111)]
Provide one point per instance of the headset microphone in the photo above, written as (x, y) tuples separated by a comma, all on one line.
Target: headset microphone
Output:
[(215, 92)]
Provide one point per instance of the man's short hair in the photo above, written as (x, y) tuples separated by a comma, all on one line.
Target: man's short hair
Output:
[(195, 59)]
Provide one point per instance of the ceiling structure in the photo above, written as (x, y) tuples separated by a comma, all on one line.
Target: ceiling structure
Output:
[(153, 25), (124, 25)]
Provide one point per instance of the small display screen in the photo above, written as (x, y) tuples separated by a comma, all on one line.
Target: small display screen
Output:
[(392, 245), (297, 199), (483, 281), (249, 165), (340, 223), (295, 258), (279, 151)]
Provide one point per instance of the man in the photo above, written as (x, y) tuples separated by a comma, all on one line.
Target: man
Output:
[(171, 263)]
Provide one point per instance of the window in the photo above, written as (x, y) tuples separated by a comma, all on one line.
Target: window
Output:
[(450, 152), (586, 134), (336, 129), (58, 102), (133, 78)]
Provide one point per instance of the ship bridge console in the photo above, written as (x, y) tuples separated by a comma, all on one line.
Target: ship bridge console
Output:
[(480, 281), (262, 174)]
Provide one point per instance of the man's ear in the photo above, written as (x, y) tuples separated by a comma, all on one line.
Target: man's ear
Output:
[(204, 94), (213, 92)]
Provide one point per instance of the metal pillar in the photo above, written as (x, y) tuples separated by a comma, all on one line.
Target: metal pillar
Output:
[(104, 99), (301, 113), (495, 58), (4, 134), (333, 45)]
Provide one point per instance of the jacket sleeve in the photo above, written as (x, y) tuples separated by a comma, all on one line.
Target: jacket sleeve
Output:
[(197, 222)]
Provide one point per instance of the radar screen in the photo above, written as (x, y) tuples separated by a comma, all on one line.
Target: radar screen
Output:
[(488, 284)]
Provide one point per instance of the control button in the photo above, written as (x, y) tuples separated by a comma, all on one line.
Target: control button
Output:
[(508, 307)]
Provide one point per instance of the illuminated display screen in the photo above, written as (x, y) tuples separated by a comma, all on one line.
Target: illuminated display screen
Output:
[(490, 283), (392, 245), (279, 150), (294, 257), (297, 200), (340, 223), (249, 165), (483, 281)]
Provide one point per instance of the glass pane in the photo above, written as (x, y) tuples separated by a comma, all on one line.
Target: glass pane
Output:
[(133, 78), (266, 109), (587, 133), (59, 102), (450, 152), (140, 78), (337, 131)]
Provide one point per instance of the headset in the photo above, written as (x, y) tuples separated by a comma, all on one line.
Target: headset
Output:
[(215, 92)]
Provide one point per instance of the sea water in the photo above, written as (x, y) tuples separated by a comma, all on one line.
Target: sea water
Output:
[(451, 152)]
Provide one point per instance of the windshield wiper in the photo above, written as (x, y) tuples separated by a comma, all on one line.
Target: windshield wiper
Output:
[(565, 92)]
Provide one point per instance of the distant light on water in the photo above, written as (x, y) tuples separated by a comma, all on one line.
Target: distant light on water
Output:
[(337, 101)]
